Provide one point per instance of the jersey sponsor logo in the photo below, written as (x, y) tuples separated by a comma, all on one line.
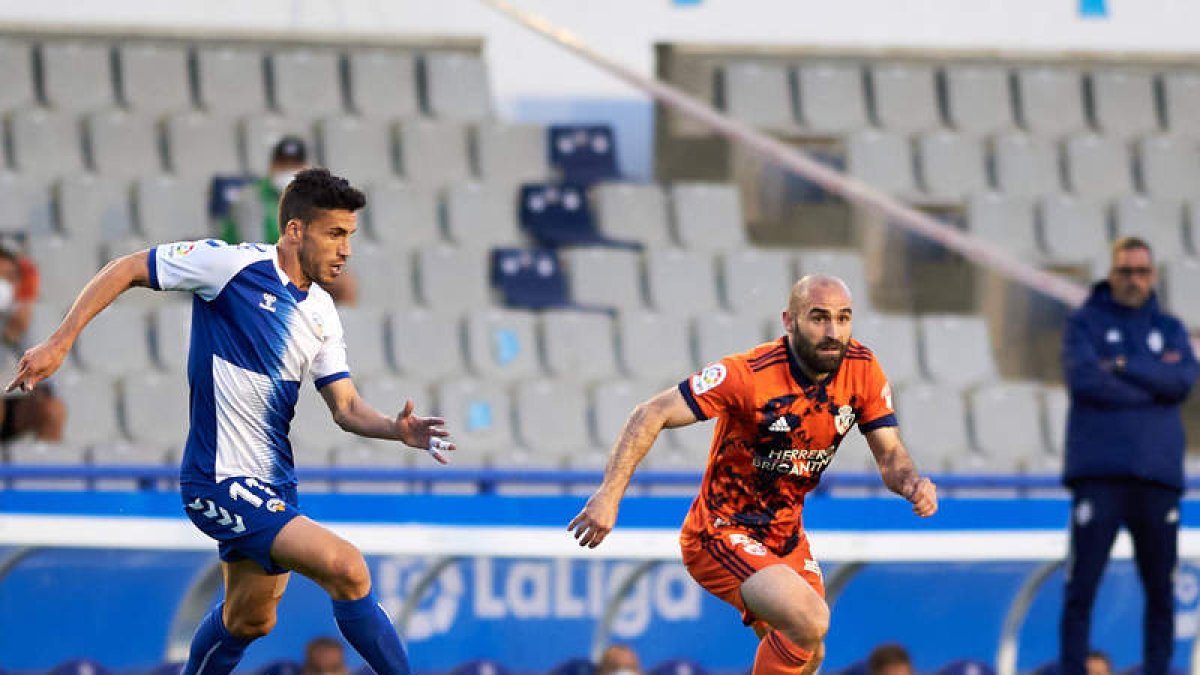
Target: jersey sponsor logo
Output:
[(795, 461), (780, 426), (844, 420), (1113, 335), (748, 545), (709, 378), (268, 302)]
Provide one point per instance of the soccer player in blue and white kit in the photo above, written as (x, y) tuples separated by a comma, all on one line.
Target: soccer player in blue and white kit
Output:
[(260, 322)]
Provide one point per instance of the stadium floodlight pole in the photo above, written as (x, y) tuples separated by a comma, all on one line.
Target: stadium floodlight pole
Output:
[(976, 250)]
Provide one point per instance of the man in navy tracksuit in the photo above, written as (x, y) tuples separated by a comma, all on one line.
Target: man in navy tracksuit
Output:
[(1128, 366)]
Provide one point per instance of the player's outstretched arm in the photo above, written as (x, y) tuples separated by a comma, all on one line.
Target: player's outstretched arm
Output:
[(899, 473), (599, 515), (118, 276), (356, 416)]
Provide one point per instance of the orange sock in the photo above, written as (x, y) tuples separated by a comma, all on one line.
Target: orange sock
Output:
[(779, 656)]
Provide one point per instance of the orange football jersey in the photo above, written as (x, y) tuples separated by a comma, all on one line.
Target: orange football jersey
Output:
[(776, 433)]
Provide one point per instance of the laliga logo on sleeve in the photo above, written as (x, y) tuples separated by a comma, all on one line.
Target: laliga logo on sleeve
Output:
[(886, 394), (708, 378)]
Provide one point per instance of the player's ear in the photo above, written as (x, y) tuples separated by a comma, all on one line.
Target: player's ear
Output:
[(294, 228), (786, 318)]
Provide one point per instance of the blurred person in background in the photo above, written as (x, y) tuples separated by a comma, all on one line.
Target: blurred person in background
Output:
[(619, 660), (254, 213), (1129, 367), (889, 659), (1098, 663), (324, 656), (38, 413)]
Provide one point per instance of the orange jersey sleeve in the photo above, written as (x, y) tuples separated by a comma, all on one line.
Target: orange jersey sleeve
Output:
[(877, 409), (720, 387)]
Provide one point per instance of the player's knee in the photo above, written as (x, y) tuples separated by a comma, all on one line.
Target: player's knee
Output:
[(808, 626), (251, 627), (349, 577)]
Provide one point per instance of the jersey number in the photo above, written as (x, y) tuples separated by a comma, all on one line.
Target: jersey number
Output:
[(238, 491)]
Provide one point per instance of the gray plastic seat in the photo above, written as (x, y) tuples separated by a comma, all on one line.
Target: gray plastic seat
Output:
[(1169, 166), (578, 346), (231, 80), (1005, 221), (759, 93), (1097, 166), (171, 209), (653, 347), (1025, 166), (978, 100), (385, 277), (93, 209), (456, 86), (261, 132), (903, 96), (707, 216), (27, 205), (604, 277), (313, 430), (1050, 100), (612, 402), (755, 283), (846, 265), (433, 153), (363, 453), (366, 348), (1072, 230), (1181, 102), (510, 154), (122, 145), (154, 78), (33, 452), (401, 217), (154, 407), (90, 399), (388, 393), (881, 159), (956, 350), (1158, 221), (73, 266), (1180, 278), (201, 145), (831, 96), (950, 164), (480, 414), (426, 345), (502, 344), (306, 83), (1006, 421), (114, 343), (681, 282), (1056, 403), (934, 424), (382, 83), (718, 334), (171, 329), (452, 279), (45, 144), (482, 215), (1123, 102), (630, 211), (893, 339), (76, 75), (552, 422), (17, 88), (361, 150)]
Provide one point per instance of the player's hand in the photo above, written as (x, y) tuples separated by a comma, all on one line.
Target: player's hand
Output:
[(596, 519), (425, 433), (38, 363), (924, 498)]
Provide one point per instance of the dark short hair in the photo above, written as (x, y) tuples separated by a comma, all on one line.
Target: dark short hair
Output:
[(1131, 244), (887, 655), (313, 189)]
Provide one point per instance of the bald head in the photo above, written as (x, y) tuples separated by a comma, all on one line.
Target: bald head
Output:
[(818, 289), (818, 323)]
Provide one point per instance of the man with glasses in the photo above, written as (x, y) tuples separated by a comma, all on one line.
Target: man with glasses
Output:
[(1129, 367)]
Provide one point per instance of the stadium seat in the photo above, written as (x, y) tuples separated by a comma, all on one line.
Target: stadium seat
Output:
[(171, 325), (611, 403), (1180, 279), (717, 334), (934, 420), (200, 145), (1159, 222), (44, 144), (401, 217), (690, 445), (76, 76), (388, 277), (680, 282), (1006, 422), (115, 341), (881, 159), (759, 93), (578, 345), (452, 279), (604, 277), (32, 452), (306, 83), (653, 347), (552, 423), (755, 282), (94, 209), (508, 154), (583, 154), (846, 265), (426, 345), (529, 278), (956, 350), (154, 408), (73, 266), (631, 212), (977, 98), (1168, 166), (1006, 221), (558, 214), (366, 348), (371, 455), (480, 414), (1123, 102), (502, 345), (122, 145), (903, 96), (456, 87), (1097, 167), (1049, 100), (230, 81), (90, 399), (153, 78), (260, 132), (169, 208), (707, 217), (1025, 165), (433, 153), (382, 83), (28, 206), (1072, 230), (313, 432), (950, 165), (1181, 102), (17, 89), (482, 215), (360, 150), (831, 96), (893, 339)]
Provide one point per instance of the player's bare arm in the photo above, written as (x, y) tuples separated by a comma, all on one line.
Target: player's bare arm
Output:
[(666, 410), (43, 359), (355, 415), (899, 473)]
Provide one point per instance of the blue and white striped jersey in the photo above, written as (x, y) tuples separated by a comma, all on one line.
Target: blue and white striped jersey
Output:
[(254, 337)]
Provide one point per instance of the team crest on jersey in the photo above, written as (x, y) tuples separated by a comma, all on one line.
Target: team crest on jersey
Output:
[(844, 419), (1155, 341), (747, 544), (181, 249), (275, 505), (708, 378), (318, 325)]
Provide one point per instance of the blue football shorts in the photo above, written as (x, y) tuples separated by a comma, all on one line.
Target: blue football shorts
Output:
[(243, 514)]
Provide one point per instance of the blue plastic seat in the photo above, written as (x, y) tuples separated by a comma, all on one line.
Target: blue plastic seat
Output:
[(221, 193), (584, 154), (529, 278), (558, 214)]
